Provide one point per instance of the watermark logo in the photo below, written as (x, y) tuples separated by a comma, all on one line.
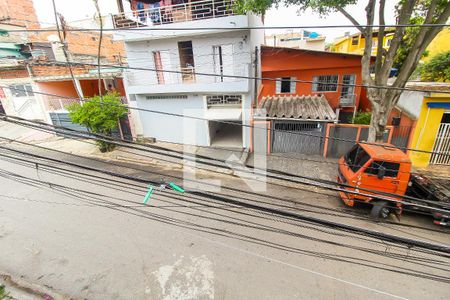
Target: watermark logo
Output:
[(218, 143)]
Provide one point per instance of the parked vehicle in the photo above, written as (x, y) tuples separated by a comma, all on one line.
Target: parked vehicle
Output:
[(381, 172)]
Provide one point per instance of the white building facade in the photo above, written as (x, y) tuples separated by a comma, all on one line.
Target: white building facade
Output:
[(192, 79)]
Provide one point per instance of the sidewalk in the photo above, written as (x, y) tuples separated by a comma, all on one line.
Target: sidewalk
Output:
[(293, 163)]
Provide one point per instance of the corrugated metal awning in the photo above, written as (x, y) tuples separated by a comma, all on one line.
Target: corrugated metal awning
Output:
[(314, 108)]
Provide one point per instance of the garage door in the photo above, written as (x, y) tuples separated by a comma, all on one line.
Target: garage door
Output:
[(297, 137), (63, 119)]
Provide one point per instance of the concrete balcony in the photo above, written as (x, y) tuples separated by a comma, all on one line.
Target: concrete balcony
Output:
[(178, 13), (151, 24)]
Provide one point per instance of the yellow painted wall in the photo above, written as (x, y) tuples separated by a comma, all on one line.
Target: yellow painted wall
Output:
[(345, 45), (441, 43), (426, 130)]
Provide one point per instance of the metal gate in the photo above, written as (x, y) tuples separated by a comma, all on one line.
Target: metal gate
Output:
[(442, 146), (63, 120), (297, 137)]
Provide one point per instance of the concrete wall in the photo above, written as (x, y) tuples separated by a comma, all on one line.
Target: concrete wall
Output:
[(24, 107), (140, 83), (140, 56), (411, 102)]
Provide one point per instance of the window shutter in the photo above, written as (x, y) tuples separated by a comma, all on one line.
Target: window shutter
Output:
[(314, 85), (293, 85), (278, 86)]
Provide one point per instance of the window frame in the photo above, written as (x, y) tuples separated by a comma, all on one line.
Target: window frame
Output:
[(25, 88), (358, 152), (292, 85), (315, 85), (388, 171)]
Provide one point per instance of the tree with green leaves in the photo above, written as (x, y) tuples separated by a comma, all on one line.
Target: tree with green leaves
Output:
[(100, 115), (437, 68), (362, 117), (383, 100)]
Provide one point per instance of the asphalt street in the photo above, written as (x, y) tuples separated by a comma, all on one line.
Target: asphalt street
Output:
[(87, 235)]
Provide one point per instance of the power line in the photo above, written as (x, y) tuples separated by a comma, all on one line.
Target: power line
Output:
[(241, 125), (331, 185), (326, 223), (242, 77), (229, 188), (412, 259), (156, 28)]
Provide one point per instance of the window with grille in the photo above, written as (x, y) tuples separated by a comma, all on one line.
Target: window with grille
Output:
[(286, 85), (22, 90), (218, 100), (348, 89), (325, 83)]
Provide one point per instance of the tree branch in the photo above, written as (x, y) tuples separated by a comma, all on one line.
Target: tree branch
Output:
[(366, 59), (350, 17), (404, 16), (380, 52), (424, 38)]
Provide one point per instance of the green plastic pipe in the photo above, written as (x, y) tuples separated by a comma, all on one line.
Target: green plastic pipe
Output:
[(149, 194), (176, 187)]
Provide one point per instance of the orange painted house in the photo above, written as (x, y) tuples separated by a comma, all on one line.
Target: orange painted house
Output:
[(324, 73)]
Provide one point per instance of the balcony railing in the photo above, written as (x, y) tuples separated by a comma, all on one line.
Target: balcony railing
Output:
[(58, 104), (186, 76), (224, 100), (177, 13), (347, 100)]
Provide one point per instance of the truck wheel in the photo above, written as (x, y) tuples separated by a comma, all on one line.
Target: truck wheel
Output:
[(380, 210)]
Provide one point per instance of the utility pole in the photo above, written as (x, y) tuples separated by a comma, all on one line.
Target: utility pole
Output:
[(62, 40)]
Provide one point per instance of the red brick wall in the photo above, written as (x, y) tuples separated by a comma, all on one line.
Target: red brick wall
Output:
[(87, 43), (21, 12), (10, 74), (39, 71)]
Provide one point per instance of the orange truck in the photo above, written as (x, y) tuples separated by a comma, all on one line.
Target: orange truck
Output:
[(380, 174)]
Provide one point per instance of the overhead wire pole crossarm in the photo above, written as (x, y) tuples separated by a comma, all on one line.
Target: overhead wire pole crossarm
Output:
[(445, 249)]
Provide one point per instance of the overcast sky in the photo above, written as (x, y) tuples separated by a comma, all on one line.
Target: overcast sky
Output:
[(83, 9)]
